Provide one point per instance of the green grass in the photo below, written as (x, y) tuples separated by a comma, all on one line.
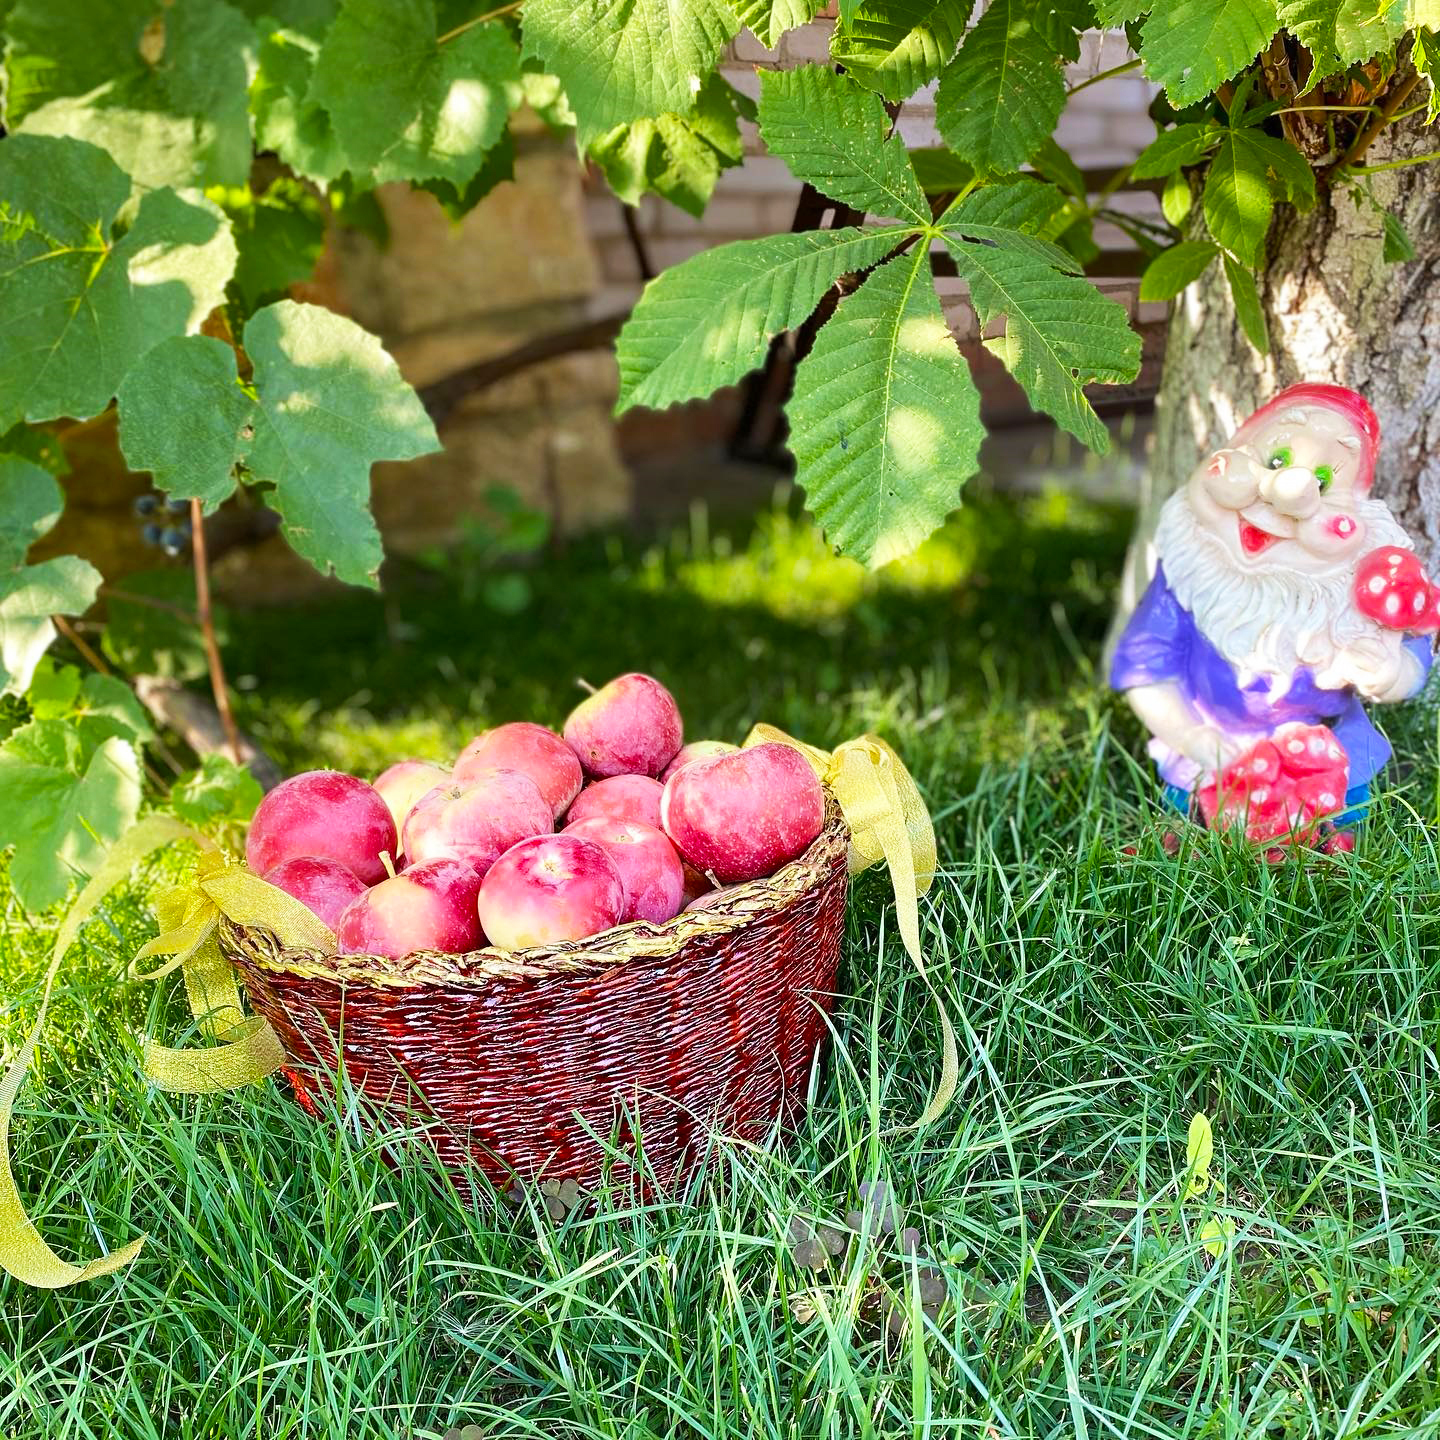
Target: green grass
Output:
[(297, 1284)]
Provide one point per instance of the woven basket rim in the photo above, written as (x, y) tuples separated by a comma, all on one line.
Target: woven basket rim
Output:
[(596, 953)]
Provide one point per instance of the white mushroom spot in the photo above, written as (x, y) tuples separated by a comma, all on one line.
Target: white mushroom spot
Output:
[(1418, 603), (1392, 605), (1317, 746), (1328, 800), (1395, 557), (1295, 746), (1377, 584), (1260, 794)]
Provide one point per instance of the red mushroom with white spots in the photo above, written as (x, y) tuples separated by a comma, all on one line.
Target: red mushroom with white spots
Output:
[(1392, 589)]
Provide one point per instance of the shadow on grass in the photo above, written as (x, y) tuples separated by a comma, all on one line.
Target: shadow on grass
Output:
[(1004, 609)]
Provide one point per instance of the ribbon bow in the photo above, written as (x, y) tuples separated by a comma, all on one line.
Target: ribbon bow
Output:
[(888, 821), (247, 1050)]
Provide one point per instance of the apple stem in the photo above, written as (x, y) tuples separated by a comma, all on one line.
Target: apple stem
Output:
[(585, 685), (388, 862)]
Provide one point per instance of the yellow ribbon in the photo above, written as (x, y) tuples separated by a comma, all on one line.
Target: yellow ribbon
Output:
[(248, 1048), (888, 821)]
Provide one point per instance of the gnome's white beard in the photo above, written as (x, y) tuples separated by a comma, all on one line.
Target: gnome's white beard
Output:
[(1271, 623)]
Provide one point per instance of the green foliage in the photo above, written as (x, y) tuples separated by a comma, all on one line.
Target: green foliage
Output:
[(1060, 333), (218, 794), (80, 298), (163, 90), (621, 60), (405, 106), (66, 796), (1192, 46), (150, 625), (897, 48), (678, 157), (1001, 96), (279, 233), (833, 135), (1342, 34), (768, 20), (885, 418), (30, 504), (707, 322), (1173, 269)]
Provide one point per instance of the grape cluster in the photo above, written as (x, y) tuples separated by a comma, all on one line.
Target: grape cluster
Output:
[(164, 523)]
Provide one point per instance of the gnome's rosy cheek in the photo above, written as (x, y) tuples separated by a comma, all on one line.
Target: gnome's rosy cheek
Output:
[(1335, 533)]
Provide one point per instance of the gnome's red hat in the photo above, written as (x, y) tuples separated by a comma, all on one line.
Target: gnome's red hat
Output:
[(1355, 408)]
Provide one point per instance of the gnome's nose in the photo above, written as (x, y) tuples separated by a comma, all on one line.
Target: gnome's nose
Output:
[(1292, 491)]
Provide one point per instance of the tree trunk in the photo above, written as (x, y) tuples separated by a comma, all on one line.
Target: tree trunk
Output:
[(1337, 312)]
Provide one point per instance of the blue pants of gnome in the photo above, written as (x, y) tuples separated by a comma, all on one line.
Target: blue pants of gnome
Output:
[(1357, 802)]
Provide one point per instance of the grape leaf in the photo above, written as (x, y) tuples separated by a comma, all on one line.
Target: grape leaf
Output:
[(1192, 46), (497, 167), (61, 814), (1001, 96), (707, 321), (1425, 56), (79, 303), (1171, 150), (1247, 304), (42, 60), (30, 504), (183, 417), (1341, 33), (1173, 269), (885, 418), (220, 792), (151, 629), (833, 134), (623, 60), (768, 20), (1060, 333), (96, 706), (279, 234), (330, 403), (407, 107), (896, 48), (287, 120), (170, 106)]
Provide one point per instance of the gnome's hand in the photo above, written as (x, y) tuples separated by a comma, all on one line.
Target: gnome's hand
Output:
[(1209, 746)]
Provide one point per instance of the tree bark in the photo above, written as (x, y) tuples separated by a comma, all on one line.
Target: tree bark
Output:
[(1337, 312)]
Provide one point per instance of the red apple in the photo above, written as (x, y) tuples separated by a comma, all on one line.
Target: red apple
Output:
[(327, 815), (629, 727), (549, 889), (698, 750), (532, 750), (744, 815), (429, 906), (478, 821), (649, 868), (405, 782), (324, 887), (621, 797)]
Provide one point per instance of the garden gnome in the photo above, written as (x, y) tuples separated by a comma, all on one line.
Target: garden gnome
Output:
[(1285, 597)]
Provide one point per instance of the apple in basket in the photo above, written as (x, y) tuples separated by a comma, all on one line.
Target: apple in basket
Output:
[(429, 906), (477, 821), (323, 886), (532, 750), (621, 797), (550, 889), (650, 870), (629, 727), (405, 782), (738, 817), (326, 815)]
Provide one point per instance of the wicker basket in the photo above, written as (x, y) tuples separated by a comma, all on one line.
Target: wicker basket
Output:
[(535, 1062)]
